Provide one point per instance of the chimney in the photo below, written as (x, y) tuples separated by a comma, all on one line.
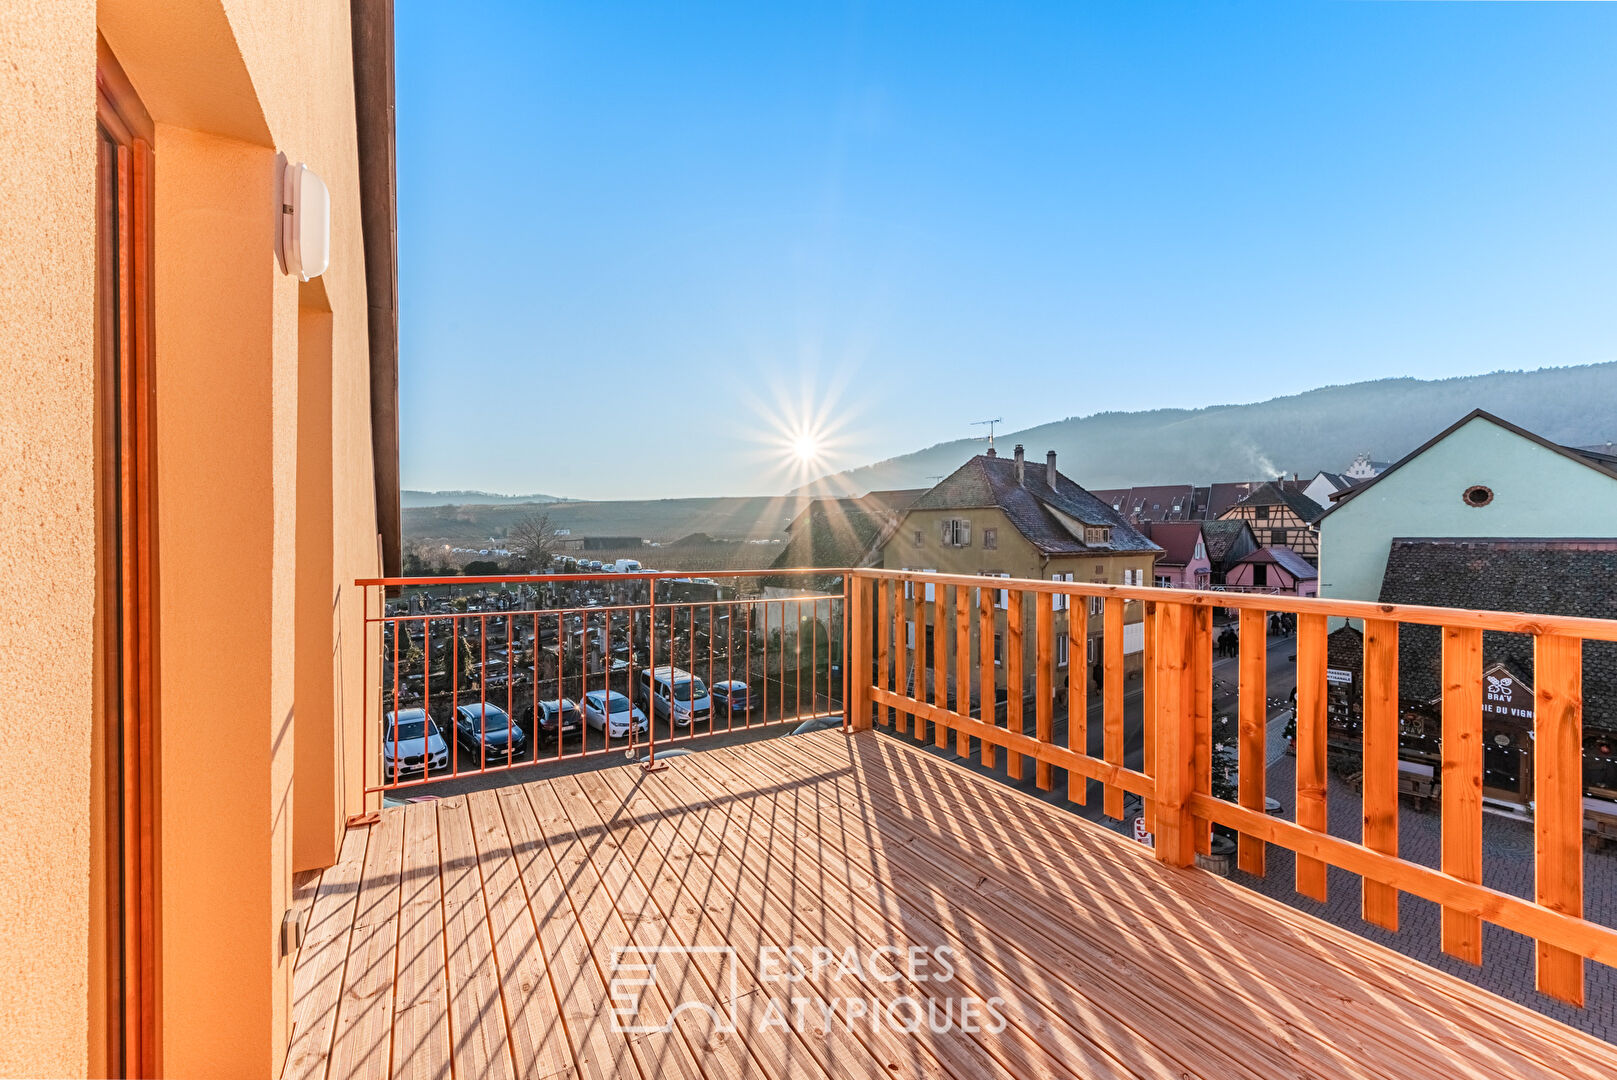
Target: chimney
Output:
[(1050, 469), (1021, 466), (992, 452)]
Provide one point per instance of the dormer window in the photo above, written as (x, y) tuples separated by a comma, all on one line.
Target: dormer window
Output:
[(1097, 535)]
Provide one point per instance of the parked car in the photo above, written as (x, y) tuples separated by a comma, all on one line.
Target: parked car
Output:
[(486, 728), (558, 718), (411, 744), (672, 691), (612, 713), (731, 698)]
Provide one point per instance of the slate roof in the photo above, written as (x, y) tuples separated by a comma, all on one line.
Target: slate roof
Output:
[(1177, 539), (829, 533), (1278, 494), (1221, 537), (1540, 576), (985, 482), (1285, 558)]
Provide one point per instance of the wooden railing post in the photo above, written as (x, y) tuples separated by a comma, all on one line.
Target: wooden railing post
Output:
[(1044, 679), (1461, 796), (1175, 732), (1252, 751), (1558, 795), (858, 641), (1379, 902), (1311, 747)]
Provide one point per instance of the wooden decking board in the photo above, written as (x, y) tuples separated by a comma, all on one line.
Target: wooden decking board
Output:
[(1157, 1002), (702, 824), (1316, 953), (655, 842), (479, 1046), (844, 922), (318, 979), (421, 986), (721, 1056), (1065, 964), (538, 1040), (1042, 1028), (629, 918), (1183, 931), (471, 937), (585, 1010), (363, 1040)]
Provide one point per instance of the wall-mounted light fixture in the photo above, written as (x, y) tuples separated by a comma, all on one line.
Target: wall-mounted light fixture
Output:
[(305, 223)]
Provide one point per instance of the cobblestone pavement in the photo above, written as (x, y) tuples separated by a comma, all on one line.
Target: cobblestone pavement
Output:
[(1507, 957)]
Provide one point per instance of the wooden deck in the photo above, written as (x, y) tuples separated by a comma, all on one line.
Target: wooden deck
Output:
[(474, 937)]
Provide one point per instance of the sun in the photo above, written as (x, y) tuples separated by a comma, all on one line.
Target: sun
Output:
[(806, 448)]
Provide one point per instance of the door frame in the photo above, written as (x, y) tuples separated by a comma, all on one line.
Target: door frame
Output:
[(126, 726)]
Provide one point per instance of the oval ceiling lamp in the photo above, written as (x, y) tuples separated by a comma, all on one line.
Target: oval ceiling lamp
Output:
[(305, 223)]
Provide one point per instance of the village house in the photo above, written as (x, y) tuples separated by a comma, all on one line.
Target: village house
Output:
[(997, 517), (1273, 569), (1228, 542), (1479, 477), (1184, 562), (1280, 516)]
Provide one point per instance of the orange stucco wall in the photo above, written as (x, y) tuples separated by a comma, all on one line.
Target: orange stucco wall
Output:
[(47, 531), (264, 516)]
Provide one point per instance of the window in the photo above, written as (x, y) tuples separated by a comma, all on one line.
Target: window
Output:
[(1162, 582), (1201, 550), (1061, 649), (1059, 601), (955, 532), (1278, 537), (1003, 600), (909, 586), (909, 634), (1097, 535), (998, 649), (1097, 605), (1477, 495), (1262, 513), (919, 540), (990, 539)]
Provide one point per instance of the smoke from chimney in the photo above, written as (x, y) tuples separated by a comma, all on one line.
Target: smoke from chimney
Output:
[(1021, 466), (1050, 469)]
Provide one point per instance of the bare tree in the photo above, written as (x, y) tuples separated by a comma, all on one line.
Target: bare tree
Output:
[(532, 539)]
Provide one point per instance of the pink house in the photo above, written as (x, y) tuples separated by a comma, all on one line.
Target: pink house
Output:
[(1184, 563), (1274, 569)]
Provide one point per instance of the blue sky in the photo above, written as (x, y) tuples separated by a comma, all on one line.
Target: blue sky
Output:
[(642, 246)]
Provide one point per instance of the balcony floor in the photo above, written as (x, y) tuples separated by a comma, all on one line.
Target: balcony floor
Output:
[(474, 937)]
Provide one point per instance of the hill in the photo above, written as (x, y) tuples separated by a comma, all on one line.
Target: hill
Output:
[(408, 498), (762, 517), (1303, 433)]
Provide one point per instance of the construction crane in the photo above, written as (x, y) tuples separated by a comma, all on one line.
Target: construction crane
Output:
[(990, 423)]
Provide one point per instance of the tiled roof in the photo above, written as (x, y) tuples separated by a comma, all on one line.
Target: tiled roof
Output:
[(1177, 539), (1280, 494), (987, 481), (829, 533), (1285, 558), (1221, 537), (1538, 576)]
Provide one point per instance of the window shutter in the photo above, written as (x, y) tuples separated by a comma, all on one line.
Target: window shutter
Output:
[(964, 536)]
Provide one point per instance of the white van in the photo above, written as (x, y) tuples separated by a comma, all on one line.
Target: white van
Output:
[(627, 566), (674, 691)]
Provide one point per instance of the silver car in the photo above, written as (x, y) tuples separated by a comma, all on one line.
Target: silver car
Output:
[(612, 713)]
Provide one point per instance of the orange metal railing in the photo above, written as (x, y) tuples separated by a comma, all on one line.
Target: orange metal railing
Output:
[(486, 674)]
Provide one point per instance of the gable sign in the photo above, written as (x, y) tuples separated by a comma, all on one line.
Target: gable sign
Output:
[(1503, 694)]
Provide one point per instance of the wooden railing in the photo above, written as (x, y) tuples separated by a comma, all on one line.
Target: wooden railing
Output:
[(979, 630)]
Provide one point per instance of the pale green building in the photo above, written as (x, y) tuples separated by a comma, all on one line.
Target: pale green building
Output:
[(1482, 477)]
